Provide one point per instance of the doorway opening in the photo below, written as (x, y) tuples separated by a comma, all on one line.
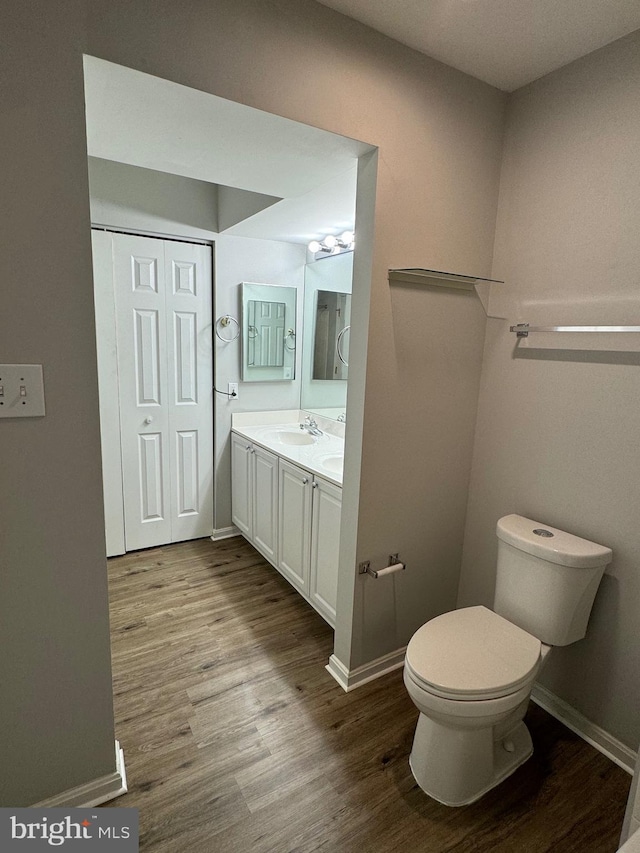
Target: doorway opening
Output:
[(170, 162)]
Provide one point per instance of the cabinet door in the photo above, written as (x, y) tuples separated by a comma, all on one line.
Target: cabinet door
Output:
[(241, 459), (325, 548), (264, 503), (294, 511)]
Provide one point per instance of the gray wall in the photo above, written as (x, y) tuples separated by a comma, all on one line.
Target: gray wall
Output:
[(439, 134), (147, 200), (56, 719), (557, 432)]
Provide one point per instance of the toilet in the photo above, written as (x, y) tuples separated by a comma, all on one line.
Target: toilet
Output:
[(470, 672)]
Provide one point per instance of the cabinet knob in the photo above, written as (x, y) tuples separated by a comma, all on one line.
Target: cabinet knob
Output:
[(305, 480), (248, 447), (315, 485), (148, 420)]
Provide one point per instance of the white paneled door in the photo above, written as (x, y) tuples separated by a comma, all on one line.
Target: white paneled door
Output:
[(164, 376)]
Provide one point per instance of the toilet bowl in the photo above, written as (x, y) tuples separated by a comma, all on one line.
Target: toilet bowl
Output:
[(470, 672)]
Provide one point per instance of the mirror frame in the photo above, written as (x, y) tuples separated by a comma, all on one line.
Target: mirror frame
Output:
[(271, 293)]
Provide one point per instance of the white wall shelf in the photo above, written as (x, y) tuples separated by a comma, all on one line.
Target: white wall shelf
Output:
[(438, 278), (457, 281)]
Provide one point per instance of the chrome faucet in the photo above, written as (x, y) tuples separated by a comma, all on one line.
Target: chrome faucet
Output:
[(311, 426)]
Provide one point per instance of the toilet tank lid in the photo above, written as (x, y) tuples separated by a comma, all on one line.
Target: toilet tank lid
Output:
[(551, 544)]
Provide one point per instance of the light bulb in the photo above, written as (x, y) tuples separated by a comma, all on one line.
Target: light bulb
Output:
[(314, 246), (335, 250), (330, 241), (347, 237)]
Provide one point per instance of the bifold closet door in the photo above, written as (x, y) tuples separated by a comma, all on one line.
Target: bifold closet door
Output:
[(164, 355)]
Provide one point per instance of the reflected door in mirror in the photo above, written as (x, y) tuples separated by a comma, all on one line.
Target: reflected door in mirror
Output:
[(266, 333), (331, 337)]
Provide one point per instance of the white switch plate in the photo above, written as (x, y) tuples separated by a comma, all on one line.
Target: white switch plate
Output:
[(21, 391)]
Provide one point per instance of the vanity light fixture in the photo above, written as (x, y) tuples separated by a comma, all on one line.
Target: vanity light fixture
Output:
[(332, 245)]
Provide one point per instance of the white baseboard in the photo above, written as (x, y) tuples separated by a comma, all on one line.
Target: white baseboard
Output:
[(92, 793), (350, 679), (224, 533), (604, 742), (597, 737)]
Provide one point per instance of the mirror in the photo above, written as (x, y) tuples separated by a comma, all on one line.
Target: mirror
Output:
[(326, 333), (268, 332), (331, 335)]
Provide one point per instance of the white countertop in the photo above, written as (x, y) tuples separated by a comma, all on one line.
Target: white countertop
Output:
[(323, 457)]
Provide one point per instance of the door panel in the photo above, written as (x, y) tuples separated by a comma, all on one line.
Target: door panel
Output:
[(190, 356), (187, 464), (164, 355), (142, 373), (151, 476), (186, 366), (147, 366)]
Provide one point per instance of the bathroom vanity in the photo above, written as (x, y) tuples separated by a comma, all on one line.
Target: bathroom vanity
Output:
[(286, 486)]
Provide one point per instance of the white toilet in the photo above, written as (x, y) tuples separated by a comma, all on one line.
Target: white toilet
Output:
[(470, 672)]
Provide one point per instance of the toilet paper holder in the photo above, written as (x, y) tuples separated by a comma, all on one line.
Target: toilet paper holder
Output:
[(394, 565)]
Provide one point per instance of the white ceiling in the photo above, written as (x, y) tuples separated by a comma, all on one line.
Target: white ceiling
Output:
[(507, 43), (141, 120)]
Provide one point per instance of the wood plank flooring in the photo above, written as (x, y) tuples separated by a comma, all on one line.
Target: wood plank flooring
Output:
[(237, 740)]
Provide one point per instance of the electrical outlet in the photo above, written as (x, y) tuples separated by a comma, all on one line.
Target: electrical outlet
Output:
[(233, 390)]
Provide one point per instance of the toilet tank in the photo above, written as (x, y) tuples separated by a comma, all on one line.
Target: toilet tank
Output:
[(547, 579)]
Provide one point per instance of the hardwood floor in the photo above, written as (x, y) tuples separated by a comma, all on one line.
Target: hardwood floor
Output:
[(237, 740)]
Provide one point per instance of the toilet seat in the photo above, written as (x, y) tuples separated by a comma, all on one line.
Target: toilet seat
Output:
[(472, 654)]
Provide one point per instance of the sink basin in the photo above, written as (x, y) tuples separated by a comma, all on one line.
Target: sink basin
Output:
[(290, 437), (333, 464)]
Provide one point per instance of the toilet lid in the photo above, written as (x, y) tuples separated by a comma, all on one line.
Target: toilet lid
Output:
[(472, 654)]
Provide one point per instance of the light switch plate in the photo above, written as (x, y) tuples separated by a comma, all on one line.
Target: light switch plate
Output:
[(21, 391)]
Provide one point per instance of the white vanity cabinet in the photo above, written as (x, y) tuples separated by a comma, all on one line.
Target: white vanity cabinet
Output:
[(254, 499), (292, 516)]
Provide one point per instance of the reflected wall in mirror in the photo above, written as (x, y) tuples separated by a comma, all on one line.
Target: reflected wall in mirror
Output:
[(331, 335), (325, 359), (268, 332)]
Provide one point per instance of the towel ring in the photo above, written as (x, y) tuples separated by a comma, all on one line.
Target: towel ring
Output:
[(223, 322), (339, 345), (290, 334)]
